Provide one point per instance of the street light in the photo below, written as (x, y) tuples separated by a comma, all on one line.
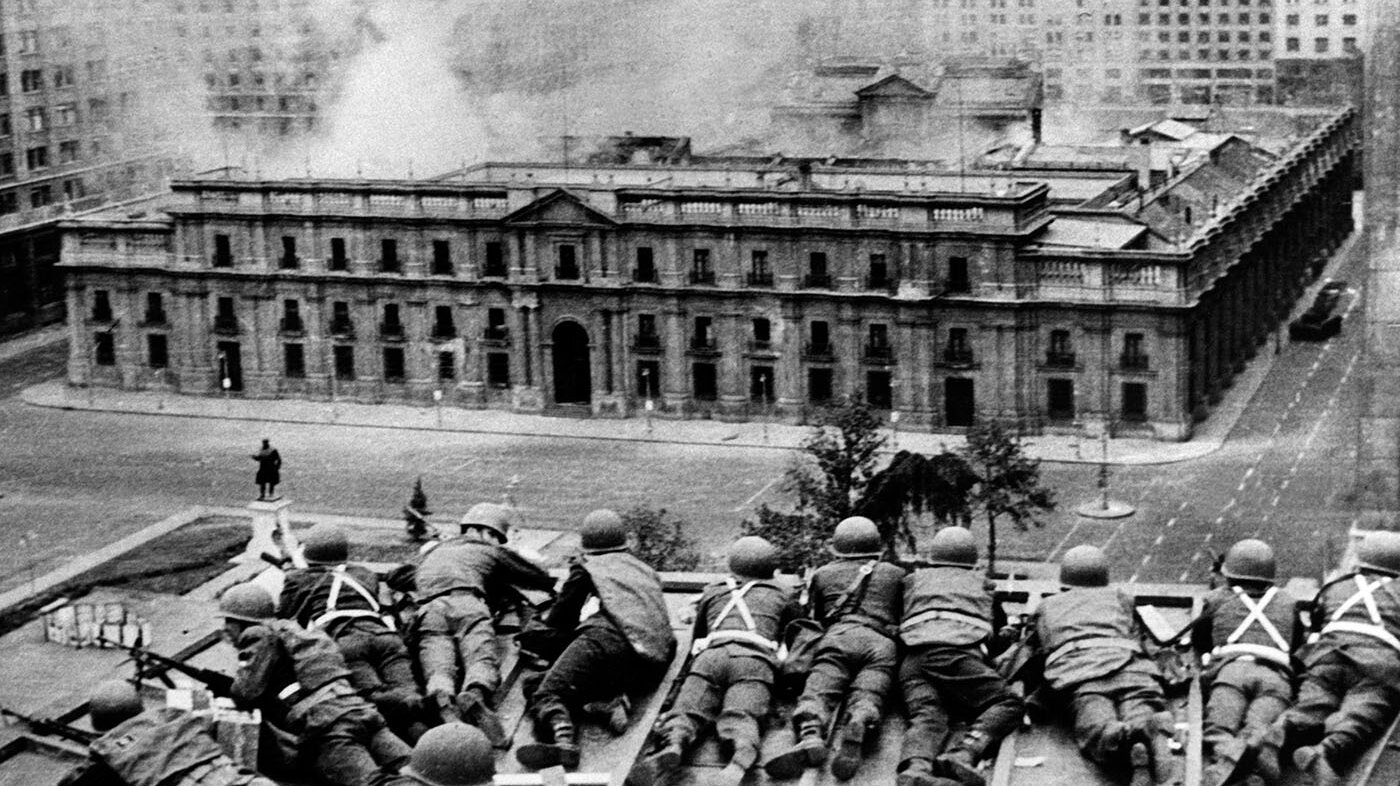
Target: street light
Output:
[(437, 401), (767, 402), (646, 385)]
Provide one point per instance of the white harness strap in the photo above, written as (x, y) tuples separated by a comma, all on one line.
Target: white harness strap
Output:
[(736, 604), (339, 580), (1365, 593), (1278, 653)]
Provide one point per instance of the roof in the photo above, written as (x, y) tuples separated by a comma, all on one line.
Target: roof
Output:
[(1091, 232)]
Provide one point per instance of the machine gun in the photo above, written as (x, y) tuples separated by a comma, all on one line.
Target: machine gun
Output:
[(150, 663), (54, 727)]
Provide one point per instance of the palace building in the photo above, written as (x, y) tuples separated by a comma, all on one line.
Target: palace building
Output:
[(726, 288)]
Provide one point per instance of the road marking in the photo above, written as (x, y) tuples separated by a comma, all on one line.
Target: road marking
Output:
[(1249, 473), (1182, 506), (1241, 486), (1284, 485), (1078, 520), (1229, 504), (1275, 501), (1158, 541), (1209, 537), (1170, 522), (1146, 559), (758, 494)]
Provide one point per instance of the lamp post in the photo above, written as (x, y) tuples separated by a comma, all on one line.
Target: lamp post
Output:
[(646, 384), (437, 402), (224, 381), (767, 403), (160, 389)]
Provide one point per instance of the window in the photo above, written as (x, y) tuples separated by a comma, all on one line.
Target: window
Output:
[(338, 259), (340, 319), (820, 340), (1320, 20), (647, 336), (819, 385), (1134, 357), (704, 381), (1134, 401), (293, 361), (389, 255), (443, 326), (289, 253), (566, 257), (106, 349), (761, 384), (157, 352), (1320, 45), (957, 275), (392, 326), (40, 196), (101, 306), (879, 392), (649, 379), (1348, 20), (762, 333), (877, 345), (223, 254), (1059, 394), (291, 316), (704, 336), (817, 275), (447, 366), (34, 119), (155, 309), (645, 270), (1290, 45), (28, 41), (1291, 20), (344, 356), (63, 76), (31, 80), (879, 273), (37, 157), (760, 274), (1061, 351), (393, 364), (68, 152), (496, 325), (959, 350), (498, 369), (442, 258), (495, 261), (700, 270), (225, 320)]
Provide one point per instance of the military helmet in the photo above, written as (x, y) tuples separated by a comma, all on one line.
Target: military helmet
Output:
[(752, 557), (325, 544), (1084, 566), (247, 602), (857, 536), (490, 517), (603, 530), (114, 702), (453, 754), (1380, 552), (953, 547), (1249, 560)]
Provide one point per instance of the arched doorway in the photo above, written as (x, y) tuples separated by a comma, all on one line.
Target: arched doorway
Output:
[(572, 378)]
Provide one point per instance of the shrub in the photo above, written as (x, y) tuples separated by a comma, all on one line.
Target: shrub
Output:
[(659, 539)]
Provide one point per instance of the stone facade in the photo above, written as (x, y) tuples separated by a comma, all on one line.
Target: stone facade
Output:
[(533, 287)]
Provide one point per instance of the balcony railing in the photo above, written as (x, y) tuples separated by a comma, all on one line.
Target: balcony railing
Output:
[(760, 279), (156, 318), (343, 328), (816, 281), (756, 345), (958, 357), (704, 346), (496, 334), (644, 275), (818, 351), (1135, 362), (1059, 359), (442, 331), (288, 263), (648, 341), (225, 325), (494, 271), (881, 284), (292, 325), (391, 331), (569, 273), (706, 277), (879, 353)]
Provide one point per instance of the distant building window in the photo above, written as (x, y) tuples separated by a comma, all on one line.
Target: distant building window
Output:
[(105, 349), (31, 80), (443, 326), (1134, 401), (761, 384), (340, 319), (157, 351), (28, 41), (700, 270), (40, 196), (63, 76), (957, 275), (879, 392), (447, 366), (1320, 20), (223, 253), (7, 165), (101, 306), (762, 331), (496, 325), (35, 119), (1349, 20), (704, 381), (566, 267), (442, 258), (498, 369), (1290, 45), (495, 260), (645, 271), (344, 356), (289, 260), (37, 157), (393, 364), (649, 379), (1320, 45), (389, 255), (68, 152), (155, 309), (819, 385), (293, 361), (817, 273), (1059, 395), (338, 259), (291, 316)]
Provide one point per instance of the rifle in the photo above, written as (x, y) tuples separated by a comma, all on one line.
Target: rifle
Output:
[(219, 683), (54, 727), (290, 547)]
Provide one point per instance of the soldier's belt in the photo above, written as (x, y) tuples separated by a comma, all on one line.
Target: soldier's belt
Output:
[(946, 615), (1364, 629), (474, 591), (347, 614), (734, 636), (1273, 655), (1089, 644)]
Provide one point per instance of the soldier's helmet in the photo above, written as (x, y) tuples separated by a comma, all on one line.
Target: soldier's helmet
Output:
[(247, 602), (857, 536), (490, 517), (603, 531), (453, 754), (1084, 566), (752, 557), (1249, 560), (113, 703), (953, 547), (325, 544), (1380, 552)]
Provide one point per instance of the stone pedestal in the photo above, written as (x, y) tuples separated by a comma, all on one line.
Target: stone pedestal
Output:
[(267, 518)]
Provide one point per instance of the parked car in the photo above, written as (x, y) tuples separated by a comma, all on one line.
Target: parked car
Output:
[(1314, 326)]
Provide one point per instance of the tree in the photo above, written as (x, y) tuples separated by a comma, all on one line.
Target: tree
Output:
[(828, 477), (415, 516), (660, 541), (1009, 481), (914, 484)]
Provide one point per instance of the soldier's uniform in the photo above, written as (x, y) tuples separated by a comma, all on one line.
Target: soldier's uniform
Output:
[(857, 598), (1351, 687), (949, 619), (1245, 635), (343, 601), (453, 625), (1093, 655), (621, 645), (300, 682), (734, 664)]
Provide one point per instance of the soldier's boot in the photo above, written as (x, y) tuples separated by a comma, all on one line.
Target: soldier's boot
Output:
[(744, 757), (851, 746), (475, 709), (1141, 763), (664, 763), (442, 698), (919, 772), (1161, 730), (1312, 759), (1230, 761), (1268, 749), (960, 761), (615, 714), (562, 752), (810, 751)]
